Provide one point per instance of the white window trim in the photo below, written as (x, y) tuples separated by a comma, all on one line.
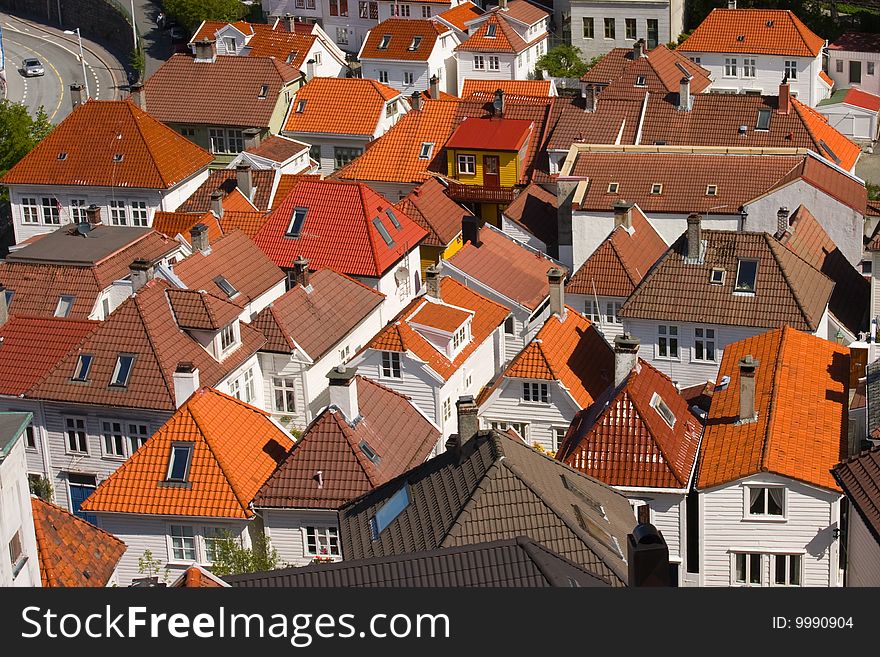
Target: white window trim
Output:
[(320, 527), (657, 355), (761, 518), (788, 553), (122, 431), (747, 584), (67, 449), (524, 402), (704, 339), (390, 377)]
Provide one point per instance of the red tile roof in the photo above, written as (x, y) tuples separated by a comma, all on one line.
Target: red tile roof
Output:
[(183, 90), (173, 224), (339, 230), (30, 347), (391, 427), (535, 211), (278, 149), (208, 29), (506, 38), (863, 99), (248, 223), (286, 183), (315, 320), (621, 261), (235, 449), (830, 144), (801, 401), (430, 207), (506, 266), (859, 477), (622, 440), (491, 134), (73, 552), (196, 577), (819, 173), (661, 68), (348, 106), (764, 32), (225, 180), (461, 14), (540, 88), (403, 33), (201, 311), (93, 135), (400, 335), (857, 42)]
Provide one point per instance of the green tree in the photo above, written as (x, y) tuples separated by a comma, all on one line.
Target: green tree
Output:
[(151, 567), (232, 558), (41, 487), (137, 61), (19, 133), (563, 61), (190, 13)]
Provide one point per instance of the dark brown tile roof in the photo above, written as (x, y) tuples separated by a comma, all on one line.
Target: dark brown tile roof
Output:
[(430, 207), (497, 489), (624, 441), (224, 180), (185, 91), (661, 68), (173, 224), (859, 477), (849, 190), (535, 210), (316, 319), (200, 310), (278, 148), (390, 426), (516, 562), (73, 552), (788, 291), (614, 118), (851, 299), (621, 261)]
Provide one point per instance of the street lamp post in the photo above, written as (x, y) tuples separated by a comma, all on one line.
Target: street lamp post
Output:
[(134, 30), (82, 58)]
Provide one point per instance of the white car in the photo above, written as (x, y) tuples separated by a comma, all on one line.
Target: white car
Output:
[(32, 67)]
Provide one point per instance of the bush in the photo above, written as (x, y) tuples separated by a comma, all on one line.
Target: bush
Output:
[(232, 558), (563, 61), (190, 13)]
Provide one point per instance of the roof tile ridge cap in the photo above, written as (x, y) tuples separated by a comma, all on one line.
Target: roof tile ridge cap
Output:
[(652, 269), (773, 245), (190, 409), (478, 489), (137, 124), (620, 259), (681, 422), (291, 343), (169, 384), (771, 402), (806, 123), (368, 223)]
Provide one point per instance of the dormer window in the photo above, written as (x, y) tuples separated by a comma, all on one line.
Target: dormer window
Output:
[(746, 276), (391, 365), (460, 337), (300, 106), (763, 122), (227, 287), (426, 150), (264, 90), (179, 462), (416, 42), (536, 393), (383, 44), (82, 367), (122, 370), (711, 190), (393, 218), (657, 188), (65, 304), (383, 231), (613, 187), (490, 30), (663, 410), (227, 337), (296, 222)]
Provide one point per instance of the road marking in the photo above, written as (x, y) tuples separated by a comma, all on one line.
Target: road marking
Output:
[(60, 79)]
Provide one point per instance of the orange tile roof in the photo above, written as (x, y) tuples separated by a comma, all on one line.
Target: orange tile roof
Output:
[(403, 33), (460, 14), (173, 224), (541, 88), (93, 135), (208, 29), (288, 47), (235, 449), (801, 399), (826, 79), (248, 223), (830, 144), (348, 106), (505, 40), (226, 181), (235, 201), (660, 68), (571, 351), (765, 31), (71, 551), (863, 99), (430, 207), (286, 183), (622, 440), (439, 316), (196, 577), (394, 157), (400, 336), (524, 12)]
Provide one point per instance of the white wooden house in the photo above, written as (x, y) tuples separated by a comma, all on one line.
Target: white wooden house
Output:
[(857, 476), (19, 564), (852, 61)]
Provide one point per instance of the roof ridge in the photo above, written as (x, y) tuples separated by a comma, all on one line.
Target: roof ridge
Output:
[(776, 249), (369, 224), (348, 433), (137, 124), (765, 447), (169, 385), (806, 123)]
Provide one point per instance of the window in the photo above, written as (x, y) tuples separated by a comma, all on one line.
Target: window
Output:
[(344, 353), (65, 303), (77, 439), (787, 570), (363, 10), (342, 36), (746, 274), (300, 107), (322, 541), (704, 344), (613, 187), (426, 11), (653, 33), (114, 439), (391, 108), (711, 190), (747, 569), (296, 222), (229, 44), (695, 60), (383, 44), (137, 436), (343, 156), (763, 122), (227, 287), (491, 29), (494, 62), (300, 4), (16, 554), (667, 341), (766, 501), (188, 132), (791, 69), (284, 393), (558, 437), (218, 140), (389, 511), (408, 77), (249, 387), (426, 150), (30, 437), (467, 164), (29, 211), (179, 462), (183, 543), (479, 63), (870, 66), (391, 364), (234, 142), (139, 213), (748, 67), (9, 294), (591, 310), (118, 215), (663, 410), (641, 81), (522, 428), (212, 536), (730, 67), (78, 210), (51, 211), (310, 4), (612, 308), (235, 388), (717, 276), (415, 43), (630, 27), (609, 28), (122, 370), (383, 77), (538, 393), (657, 188), (339, 7), (446, 409), (839, 66), (227, 337), (509, 325), (380, 227)]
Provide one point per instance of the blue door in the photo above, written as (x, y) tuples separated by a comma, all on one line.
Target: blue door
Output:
[(78, 495)]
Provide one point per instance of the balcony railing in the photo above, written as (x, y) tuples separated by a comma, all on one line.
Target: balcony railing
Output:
[(480, 194)]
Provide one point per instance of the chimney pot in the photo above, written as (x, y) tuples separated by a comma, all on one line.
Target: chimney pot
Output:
[(416, 100), (626, 355), (244, 180), (468, 423), (93, 214), (784, 101), (343, 392), (300, 273), (435, 87), (639, 49), (186, 382), (217, 203), (138, 97), (432, 281), (694, 237), (198, 237), (647, 557), (141, 272), (4, 308), (623, 214), (747, 409), (556, 279), (77, 95)]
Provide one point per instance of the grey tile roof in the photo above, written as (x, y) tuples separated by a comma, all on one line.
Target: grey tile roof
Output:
[(859, 477), (873, 382)]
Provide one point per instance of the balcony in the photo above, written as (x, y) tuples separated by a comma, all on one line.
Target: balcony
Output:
[(480, 194)]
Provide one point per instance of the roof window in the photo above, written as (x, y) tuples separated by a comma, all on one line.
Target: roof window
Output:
[(426, 150), (830, 152), (264, 90), (296, 222), (118, 157), (9, 295), (641, 81), (763, 122), (613, 187), (393, 218), (62, 156), (389, 511), (383, 44), (81, 370), (179, 462), (740, 37), (369, 452), (64, 306), (746, 275), (122, 370), (300, 106), (716, 276), (657, 188), (416, 42), (490, 30), (663, 410), (711, 190), (227, 287), (383, 231)]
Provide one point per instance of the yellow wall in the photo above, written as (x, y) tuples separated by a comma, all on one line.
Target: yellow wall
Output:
[(431, 255), (508, 167)]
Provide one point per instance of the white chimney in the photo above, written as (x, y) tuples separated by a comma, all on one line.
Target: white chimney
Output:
[(186, 382), (141, 273), (77, 95), (685, 100), (244, 180), (626, 354), (206, 50), (432, 281), (623, 215), (4, 308), (138, 97), (556, 278), (343, 392), (217, 203), (310, 69)]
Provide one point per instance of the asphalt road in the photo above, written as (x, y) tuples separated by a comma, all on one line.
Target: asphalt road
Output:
[(60, 56), (157, 43)]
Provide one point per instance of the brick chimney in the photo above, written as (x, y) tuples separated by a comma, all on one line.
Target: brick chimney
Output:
[(685, 100), (647, 557), (468, 422), (432, 281), (623, 214), (416, 100), (93, 214), (747, 410), (206, 50), (310, 69), (252, 138), (694, 237), (198, 237), (590, 100), (217, 203), (299, 275), (138, 96), (470, 230), (186, 382), (556, 278), (141, 272), (784, 104), (435, 87), (244, 180), (782, 224), (4, 307), (77, 95), (343, 392), (626, 355), (638, 49)]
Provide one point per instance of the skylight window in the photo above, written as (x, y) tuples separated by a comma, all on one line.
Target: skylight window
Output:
[(416, 42), (62, 156), (118, 157), (122, 370), (227, 287), (179, 462), (490, 30), (711, 190), (369, 452), (83, 365), (613, 187), (641, 81), (830, 152), (716, 277), (9, 295), (296, 222), (264, 90), (746, 275), (383, 44), (300, 106), (383, 231), (657, 188), (663, 410), (763, 122), (426, 150), (393, 218), (65, 304), (389, 512)]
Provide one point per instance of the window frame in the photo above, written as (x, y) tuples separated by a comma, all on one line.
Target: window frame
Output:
[(535, 392), (227, 337), (749, 67), (394, 367), (610, 28), (737, 286), (286, 387), (789, 68), (787, 559), (591, 310), (470, 160), (172, 461), (627, 24), (702, 337), (592, 30), (731, 63), (118, 439), (82, 435), (666, 337), (328, 533), (748, 516), (172, 556), (747, 569), (117, 370), (50, 210)]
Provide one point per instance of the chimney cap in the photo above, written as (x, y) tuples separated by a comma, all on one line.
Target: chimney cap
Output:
[(300, 261), (140, 265), (555, 274), (748, 364), (185, 367), (623, 206), (216, 195), (241, 166), (626, 342), (694, 218), (341, 375), (464, 399), (198, 229)]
